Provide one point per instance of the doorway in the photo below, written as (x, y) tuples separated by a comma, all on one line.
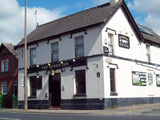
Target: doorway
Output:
[(55, 90)]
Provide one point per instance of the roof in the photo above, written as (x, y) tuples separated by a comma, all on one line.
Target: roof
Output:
[(78, 21), (83, 19), (10, 48), (149, 35)]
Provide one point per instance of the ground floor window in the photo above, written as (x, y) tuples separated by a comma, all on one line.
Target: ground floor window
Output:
[(35, 84), (4, 88), (80, 82), (112, 80)]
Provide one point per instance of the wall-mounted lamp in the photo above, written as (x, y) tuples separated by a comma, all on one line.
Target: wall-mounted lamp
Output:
[(37, 66), (52, 72), (74, 60), (37, 75)]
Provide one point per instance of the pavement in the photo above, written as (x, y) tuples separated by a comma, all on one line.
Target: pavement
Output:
[(109, 111)]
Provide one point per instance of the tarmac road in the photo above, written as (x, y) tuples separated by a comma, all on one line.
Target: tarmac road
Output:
[(45, 116), (136, 112)]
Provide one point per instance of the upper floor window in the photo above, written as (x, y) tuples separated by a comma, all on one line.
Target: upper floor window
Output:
[(2, 66), (55, 52), (148, 53), (33, 56), (79, 46), (6, 65), (110, 44)]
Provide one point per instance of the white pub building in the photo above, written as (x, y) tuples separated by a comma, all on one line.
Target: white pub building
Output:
[(94, 59)]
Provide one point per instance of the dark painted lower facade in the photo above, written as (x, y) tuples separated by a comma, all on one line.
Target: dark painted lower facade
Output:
[(90, 104)]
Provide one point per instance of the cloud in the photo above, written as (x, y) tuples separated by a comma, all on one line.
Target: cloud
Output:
[(151, 9), (12, 19)]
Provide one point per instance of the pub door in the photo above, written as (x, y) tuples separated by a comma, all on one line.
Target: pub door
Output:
[(55, 90)]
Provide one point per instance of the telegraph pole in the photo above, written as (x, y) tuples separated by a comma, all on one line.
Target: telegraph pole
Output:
[(25, 59)]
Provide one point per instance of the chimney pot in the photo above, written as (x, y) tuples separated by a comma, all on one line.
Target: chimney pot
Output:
[(113, 2)]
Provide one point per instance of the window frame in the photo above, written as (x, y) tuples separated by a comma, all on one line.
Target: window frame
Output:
[(32, 57), (81, 46), (80, 92), (55, 52), (148, 53), (6, 70), (37, 81), (112, 81), (3, 88), (111, 43), (2, 66)]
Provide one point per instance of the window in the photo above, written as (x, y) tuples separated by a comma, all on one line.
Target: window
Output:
[(4, 88), (110, 44), (112, 80), (55, 52), (35, 84), (148, 53), (123, 41), (158, 80), (139, 78), (80, 82), (6, 65), (2, 66), (150, 79), (79, 46), (33, 56)]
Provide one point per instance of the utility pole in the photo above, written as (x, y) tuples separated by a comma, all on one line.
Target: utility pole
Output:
[(25, 59)]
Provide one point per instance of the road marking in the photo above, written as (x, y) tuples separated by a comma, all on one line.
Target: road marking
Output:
[(3, 118)]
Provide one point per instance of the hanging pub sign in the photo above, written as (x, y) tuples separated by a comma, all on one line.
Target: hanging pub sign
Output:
[(123, 41), (158, 80), (139, 78)]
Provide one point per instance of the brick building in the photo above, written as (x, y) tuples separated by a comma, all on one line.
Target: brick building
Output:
[(8, 73)]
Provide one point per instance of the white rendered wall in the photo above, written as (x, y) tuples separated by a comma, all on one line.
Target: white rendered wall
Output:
[(92, 46), (137, 50)]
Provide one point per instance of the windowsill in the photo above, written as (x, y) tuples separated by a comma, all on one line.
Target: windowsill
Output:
[(80, 95), (113, 94)]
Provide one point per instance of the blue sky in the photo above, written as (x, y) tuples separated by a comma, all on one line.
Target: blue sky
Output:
[(72, 6), (145, 12)]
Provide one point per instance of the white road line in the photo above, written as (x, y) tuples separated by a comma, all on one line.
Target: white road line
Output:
[(3, 118)]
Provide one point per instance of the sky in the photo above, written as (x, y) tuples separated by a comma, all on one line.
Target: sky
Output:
[(145, 12)]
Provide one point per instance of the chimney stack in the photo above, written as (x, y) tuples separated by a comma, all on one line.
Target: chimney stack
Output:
[(113, 2)]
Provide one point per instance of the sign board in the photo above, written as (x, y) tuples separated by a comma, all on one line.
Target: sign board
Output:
[(139, 78)]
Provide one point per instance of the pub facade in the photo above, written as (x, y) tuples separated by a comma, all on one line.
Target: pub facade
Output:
[(94, 59)]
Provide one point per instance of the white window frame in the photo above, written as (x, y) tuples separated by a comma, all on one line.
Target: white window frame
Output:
[(148, 53), (81, 46), (3, 88), (111, 43), (6, 66), (2, 66), (56, 51), (32, 57)]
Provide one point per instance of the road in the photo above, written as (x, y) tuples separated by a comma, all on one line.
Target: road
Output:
[(138, 115)]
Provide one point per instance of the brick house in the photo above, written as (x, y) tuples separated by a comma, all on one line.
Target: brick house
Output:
[(8, 73)]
